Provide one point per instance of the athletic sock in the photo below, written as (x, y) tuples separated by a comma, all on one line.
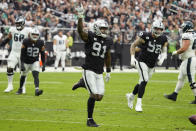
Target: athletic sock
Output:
[(90, 105)]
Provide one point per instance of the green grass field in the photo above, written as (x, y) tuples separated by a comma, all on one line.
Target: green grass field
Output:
[(61, 109)]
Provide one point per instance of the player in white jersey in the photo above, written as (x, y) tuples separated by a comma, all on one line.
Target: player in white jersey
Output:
[(61, 48), (17, 35), (188, 65)]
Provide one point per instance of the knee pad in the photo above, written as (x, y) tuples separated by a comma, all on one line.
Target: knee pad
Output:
[(10, 71)]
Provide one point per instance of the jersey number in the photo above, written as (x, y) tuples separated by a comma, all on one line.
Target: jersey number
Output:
[(18, 37), (97, 50), (194, 44), (154, 48), (32, 51)]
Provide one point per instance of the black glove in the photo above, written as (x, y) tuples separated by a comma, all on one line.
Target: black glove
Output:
[(22, 67), (43, 68)]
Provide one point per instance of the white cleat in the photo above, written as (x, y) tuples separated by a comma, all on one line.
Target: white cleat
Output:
[(138, 108), (9, 88), (23, 90), (130, 99)]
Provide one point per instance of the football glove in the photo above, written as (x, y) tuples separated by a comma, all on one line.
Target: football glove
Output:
[(43, 68), (133, 61), (80, 11), (107, 77), (174, 53), (160, 61), (22, 67)]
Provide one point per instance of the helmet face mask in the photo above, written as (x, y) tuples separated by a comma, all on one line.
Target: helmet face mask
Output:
[(34, 34), (20, 22), (157, 28), (101, 28)]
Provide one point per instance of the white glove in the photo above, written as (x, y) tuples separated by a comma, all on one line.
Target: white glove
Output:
[(107, 77), (80, 11), (133, 61), (160, 61), (174, 53)]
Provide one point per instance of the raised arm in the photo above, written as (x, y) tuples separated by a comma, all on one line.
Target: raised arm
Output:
[(82, 33)]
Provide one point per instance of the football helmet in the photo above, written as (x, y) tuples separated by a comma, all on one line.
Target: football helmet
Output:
[(157, 28), (187, 26), (100, 28), (34, 34), (20, 22)]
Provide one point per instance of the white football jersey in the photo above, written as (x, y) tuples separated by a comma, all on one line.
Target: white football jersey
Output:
[(18, 37), (60, 42), (190, 52)]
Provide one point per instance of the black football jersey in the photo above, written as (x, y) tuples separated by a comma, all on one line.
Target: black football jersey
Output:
[(95, 50), (32, 50), (151, 49)]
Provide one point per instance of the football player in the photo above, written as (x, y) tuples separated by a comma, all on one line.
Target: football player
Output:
[(16, 35), (97, 50), (187, 55), (152, 44), (60, 47), (31, 48)]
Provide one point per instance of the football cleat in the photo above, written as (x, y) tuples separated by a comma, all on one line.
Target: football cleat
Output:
[(172, 96), (130, 99), (138, 107), (80, 83), (9, 88), (63, 69), (193, 102), (91, 123), (19, 92), (38, 92)]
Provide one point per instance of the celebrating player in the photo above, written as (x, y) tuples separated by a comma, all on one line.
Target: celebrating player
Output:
[(151, 45), (17, 35), (187, 54), (97, 50), (31, 47)]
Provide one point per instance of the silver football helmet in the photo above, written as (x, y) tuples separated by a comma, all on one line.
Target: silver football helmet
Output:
[(101, 28), (34, 34), (157, 28)]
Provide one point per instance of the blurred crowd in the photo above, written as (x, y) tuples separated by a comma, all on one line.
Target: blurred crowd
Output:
[(125, 17)]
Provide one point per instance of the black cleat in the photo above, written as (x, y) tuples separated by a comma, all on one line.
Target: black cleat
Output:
[(193, 102), (79, 84), (91, 123), (63, 69), (172, 96), (38, 92), (19, 92)]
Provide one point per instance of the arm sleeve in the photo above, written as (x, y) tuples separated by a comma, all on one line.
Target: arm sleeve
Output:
[(43, 53)]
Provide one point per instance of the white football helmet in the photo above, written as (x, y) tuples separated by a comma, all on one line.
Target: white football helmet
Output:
[(157, 28), (20, 22), (101, 28), (34, 34)]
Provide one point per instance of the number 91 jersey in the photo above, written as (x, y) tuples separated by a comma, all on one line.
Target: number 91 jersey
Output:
[(95, 50), (151, 48), (18, 37)]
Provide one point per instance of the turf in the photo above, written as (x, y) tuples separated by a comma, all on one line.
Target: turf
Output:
[(61, 109)]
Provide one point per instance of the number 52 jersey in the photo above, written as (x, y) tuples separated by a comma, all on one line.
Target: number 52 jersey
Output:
[(17, 38)]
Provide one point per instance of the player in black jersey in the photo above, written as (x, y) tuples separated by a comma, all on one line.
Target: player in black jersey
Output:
[(97, 50), (31, 48), (152, 44)]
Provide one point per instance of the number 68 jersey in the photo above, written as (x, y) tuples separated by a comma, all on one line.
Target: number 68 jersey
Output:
[(95, 50), (190, 52), (151, 49), (17, 38)]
